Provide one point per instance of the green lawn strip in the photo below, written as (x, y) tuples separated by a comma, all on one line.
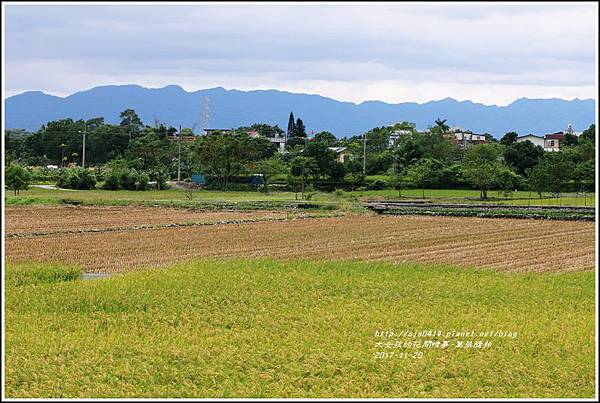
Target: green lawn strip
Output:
[(175, 197), (262, 328)]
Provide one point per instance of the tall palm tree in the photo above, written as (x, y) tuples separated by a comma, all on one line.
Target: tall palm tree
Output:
[(441, 123)]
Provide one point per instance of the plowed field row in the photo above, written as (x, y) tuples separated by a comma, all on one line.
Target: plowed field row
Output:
[(505, 245), (63, 218)]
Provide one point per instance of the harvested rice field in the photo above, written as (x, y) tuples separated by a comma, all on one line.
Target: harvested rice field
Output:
[(500, 244), (32, 220)]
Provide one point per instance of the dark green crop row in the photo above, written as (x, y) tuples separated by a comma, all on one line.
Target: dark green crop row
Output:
[(528, 214)]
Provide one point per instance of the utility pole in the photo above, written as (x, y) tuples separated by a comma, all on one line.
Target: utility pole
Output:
[(83, 153), (179, 157), (364, 154)]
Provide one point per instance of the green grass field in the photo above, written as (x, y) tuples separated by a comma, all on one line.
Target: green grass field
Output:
[(46, 196), (261, 328), (50, 196)]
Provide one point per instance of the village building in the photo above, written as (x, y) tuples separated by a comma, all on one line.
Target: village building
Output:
[(465, 139), (208, 132), (536, 140), (279, 141), (185, 139), (552, 141), (343, 154), (396, 135)]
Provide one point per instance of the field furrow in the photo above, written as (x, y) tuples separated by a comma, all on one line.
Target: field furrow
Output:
[(62, 218), (505, 245)]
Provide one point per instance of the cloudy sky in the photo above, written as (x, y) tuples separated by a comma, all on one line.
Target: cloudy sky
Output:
[(491, 53)]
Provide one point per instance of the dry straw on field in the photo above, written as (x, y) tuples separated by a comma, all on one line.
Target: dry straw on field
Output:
[(24, 220), (505, 245)]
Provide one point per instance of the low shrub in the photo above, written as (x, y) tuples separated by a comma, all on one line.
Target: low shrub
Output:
[(121, 177), (76, 178)]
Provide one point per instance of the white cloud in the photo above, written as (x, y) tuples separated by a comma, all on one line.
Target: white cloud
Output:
[(391, 52)]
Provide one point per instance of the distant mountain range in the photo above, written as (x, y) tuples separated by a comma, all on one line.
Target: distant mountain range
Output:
[(233, 108)]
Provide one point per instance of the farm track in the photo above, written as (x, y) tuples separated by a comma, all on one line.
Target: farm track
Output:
[(501, 244)]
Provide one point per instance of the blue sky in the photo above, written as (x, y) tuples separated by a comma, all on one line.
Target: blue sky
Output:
[(490, 53)]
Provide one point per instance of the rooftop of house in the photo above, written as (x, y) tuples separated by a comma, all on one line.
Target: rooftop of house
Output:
[(182, 138), (338, 149), (555, 136), (530, 135)]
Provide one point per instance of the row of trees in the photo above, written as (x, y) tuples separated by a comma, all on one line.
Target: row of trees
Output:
[(130, 155)]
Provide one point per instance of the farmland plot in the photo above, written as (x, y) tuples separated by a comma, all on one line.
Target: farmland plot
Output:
[(501, 244), (29, 220), (266, 328)]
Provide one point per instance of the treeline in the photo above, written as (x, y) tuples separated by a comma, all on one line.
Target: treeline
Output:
[(132, 155)]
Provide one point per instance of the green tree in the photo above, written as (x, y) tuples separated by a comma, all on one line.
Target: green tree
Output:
[(17, 178), (263, 130), (585, 175), (481, 167), (224, 156), (435, 145), (559, 169), (355, 178), (118, 175), (323, 156), (509, 138), (589, 133), (299, 129), (522, 156), (441, 126), (15, 144), (105, 142), (291, 129), (570, 139), (303, 167), (409, 149), (398, 181), (131, 121), (537, 179), (325, 137), (551, 174), (77, 178), (47, 141), (148, 151), (378, 139), (268, 169), (160, 174), (507, 181), (424, 174)]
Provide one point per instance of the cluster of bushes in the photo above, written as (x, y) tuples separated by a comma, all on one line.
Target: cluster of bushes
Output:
[(76, 178), (121, 177), (40, 174)]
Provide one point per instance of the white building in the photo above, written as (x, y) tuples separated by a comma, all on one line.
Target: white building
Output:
[(549, 142), (395, 136), (280, 142), (466, 139), (536, 140)]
